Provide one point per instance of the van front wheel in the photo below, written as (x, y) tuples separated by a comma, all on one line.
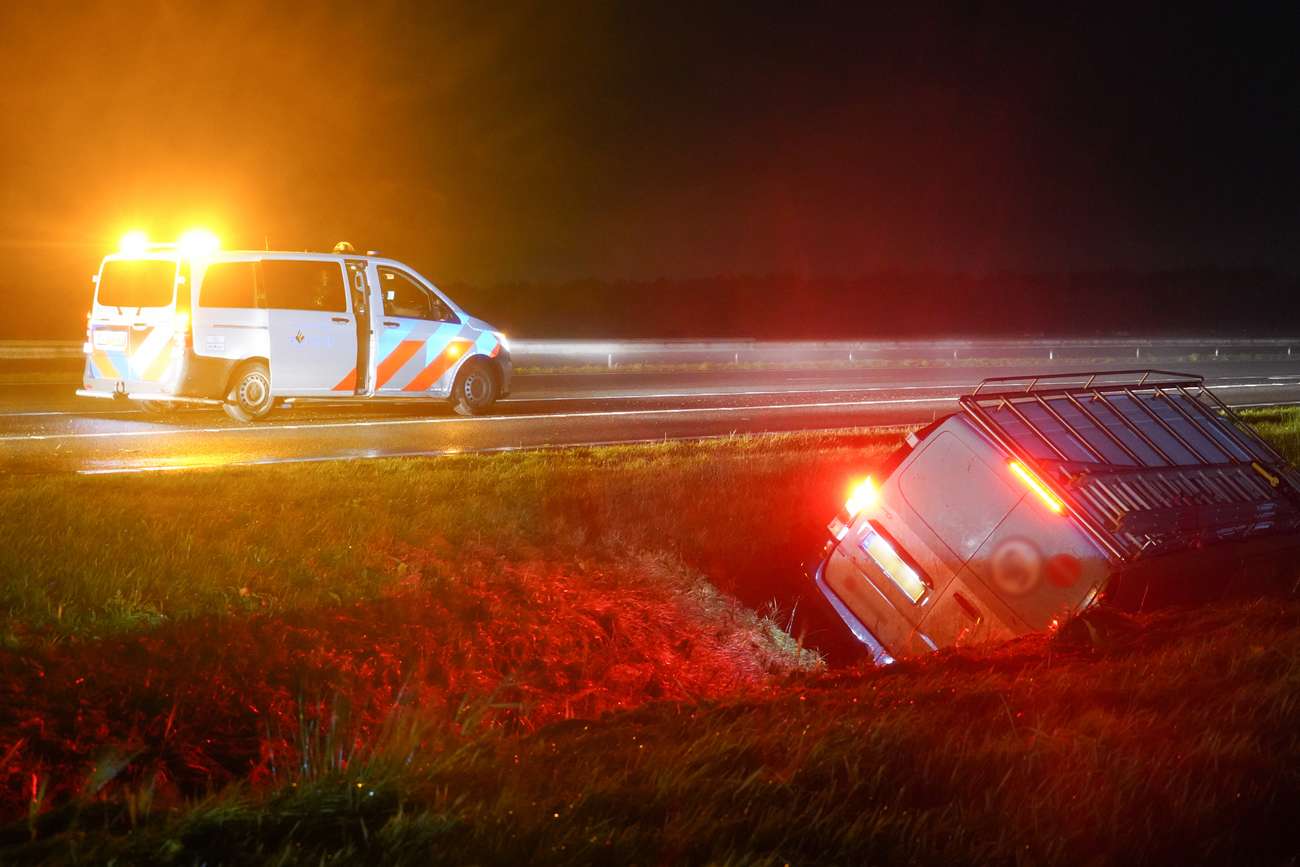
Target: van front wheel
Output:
[(475, 390), (250, 394)]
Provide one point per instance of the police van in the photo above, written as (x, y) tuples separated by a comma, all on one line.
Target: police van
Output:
[(1043, 493), (252, 330)]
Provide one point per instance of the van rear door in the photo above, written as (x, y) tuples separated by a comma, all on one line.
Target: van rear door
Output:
[(133, 324), (313, 329)]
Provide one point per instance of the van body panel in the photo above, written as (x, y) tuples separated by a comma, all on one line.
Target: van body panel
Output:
[(1039, 564), (876, 610), (225, 335), (416, 355), (312, 351), (958, 487), (963, 615), (132, 347)]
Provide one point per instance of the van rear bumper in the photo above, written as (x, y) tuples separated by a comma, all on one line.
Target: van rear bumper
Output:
[(879, 655), (159, 396)]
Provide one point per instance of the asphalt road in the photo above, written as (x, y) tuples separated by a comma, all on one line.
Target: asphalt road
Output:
[(44, 428)]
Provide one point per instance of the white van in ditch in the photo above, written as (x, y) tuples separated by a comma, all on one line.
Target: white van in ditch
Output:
[(1041, 494), (250, 330)]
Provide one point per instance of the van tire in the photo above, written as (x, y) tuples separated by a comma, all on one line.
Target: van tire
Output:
[(475, 389), (250, 398)]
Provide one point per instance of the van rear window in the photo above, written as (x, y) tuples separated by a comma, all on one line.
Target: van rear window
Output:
[(229, 284), (137, 283)]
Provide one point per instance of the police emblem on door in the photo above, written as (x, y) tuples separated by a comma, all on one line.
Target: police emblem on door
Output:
[(1017, 566), (299, 337)]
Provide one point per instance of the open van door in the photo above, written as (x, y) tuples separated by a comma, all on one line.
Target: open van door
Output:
[(363, 311), (313, 327)]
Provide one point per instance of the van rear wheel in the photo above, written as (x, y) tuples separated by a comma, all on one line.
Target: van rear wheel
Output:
[(250, 394), (475, 390)]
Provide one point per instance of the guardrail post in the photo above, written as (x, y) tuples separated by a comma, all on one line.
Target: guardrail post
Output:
[(610, 361), (1137, 353), (1051, 355)]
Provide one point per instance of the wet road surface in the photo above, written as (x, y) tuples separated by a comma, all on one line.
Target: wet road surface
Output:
[(44, 428)]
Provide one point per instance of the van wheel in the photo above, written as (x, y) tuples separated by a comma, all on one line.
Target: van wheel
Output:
[(156, 407), (250, 394), (475, 390)]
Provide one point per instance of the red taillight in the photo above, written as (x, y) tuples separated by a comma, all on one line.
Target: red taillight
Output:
[(1031, 481)]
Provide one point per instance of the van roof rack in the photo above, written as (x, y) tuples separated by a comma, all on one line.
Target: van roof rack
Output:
[(1087, 380), (1147, 460)]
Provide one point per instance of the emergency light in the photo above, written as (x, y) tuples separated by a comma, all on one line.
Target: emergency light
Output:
[(195, 242), (865, 494)]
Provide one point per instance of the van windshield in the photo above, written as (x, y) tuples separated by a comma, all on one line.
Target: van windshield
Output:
[(137, 283)]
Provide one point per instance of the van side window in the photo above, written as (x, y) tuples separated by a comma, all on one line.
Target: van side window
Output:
[(229, 284), (304, 285), (405, 297)]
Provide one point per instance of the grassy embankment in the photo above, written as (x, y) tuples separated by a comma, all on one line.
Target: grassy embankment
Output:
[(520, 658)]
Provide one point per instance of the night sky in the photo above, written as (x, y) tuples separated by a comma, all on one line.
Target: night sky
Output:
[(490, 143)]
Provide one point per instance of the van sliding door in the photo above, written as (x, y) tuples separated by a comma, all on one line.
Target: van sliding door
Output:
[(313, 328)]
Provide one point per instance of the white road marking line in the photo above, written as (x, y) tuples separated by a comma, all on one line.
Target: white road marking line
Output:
[(753, 393), (506, 418), (482, 419), (450, 452), (322, 404)]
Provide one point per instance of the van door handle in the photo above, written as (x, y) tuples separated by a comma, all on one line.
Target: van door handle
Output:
[(392, 325), (971, 611), (342, 319)]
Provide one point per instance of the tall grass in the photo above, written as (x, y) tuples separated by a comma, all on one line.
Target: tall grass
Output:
[(94, 556), (518, 659)]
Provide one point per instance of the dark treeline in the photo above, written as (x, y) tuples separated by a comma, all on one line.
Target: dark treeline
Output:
[(1247, 302)]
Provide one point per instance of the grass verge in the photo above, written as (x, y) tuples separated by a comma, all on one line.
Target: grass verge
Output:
[(518, 659)]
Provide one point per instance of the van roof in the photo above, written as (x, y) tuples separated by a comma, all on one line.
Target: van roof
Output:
[(244, 255), (1149, 461)]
